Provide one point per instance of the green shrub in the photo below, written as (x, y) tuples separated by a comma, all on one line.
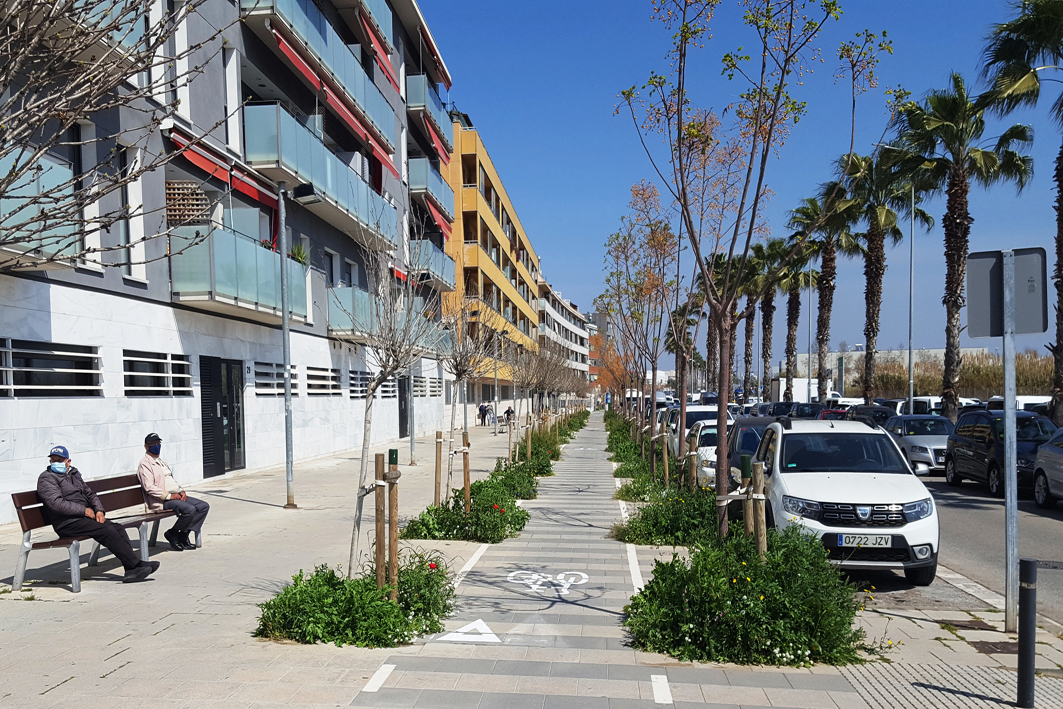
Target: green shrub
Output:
[(641, 488), (724, 605), (327, 607), (670, 517), (518, 477), (494, 515), (632, 468)]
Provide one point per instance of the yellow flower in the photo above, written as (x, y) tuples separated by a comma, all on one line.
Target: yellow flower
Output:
[(734, 580), (748, 579), (743, 563), (762, 598)]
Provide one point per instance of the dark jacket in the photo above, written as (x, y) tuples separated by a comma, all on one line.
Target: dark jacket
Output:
[(65, 496)]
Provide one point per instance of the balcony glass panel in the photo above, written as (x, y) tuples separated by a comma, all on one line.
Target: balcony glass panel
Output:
[(232, 266), (381, 14), (306, 20), (426, 178), (420, 93), (274, 135), (350, 309), (426, 256)]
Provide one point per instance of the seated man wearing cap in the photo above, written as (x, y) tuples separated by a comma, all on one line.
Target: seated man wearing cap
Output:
[(161, 492), (74, 510)]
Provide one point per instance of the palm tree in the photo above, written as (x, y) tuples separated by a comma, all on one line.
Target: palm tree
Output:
[(876, 191), (796, 277), (941, 141), (1019, 53), (767, 256), (825, 236)]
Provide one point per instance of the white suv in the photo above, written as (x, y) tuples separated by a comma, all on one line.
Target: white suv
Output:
[(848, 484)]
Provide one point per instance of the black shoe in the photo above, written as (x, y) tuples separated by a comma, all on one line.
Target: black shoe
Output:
[(137, 573), (153, 565), (187, 543), (174, 539)]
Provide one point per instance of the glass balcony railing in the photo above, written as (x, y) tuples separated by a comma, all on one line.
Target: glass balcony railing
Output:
[(427, 257), (273, 135), (421, 95), (350, 309), (312, 27), (232, 268), (424, 177)]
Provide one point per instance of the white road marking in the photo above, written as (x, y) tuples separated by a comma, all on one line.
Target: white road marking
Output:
[(463, 634), (469, 564), (378, 678), (661, 693), (623, 510), (633, 567), (535, 580), (617, 483)]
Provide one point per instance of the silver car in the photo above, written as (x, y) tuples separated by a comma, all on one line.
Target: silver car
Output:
[(922, 438), (1048, 471)]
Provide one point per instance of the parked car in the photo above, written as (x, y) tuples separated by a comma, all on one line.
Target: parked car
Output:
[(847, 483), (743, 438), (1048, 471), (922, 439), (976, 448), (694, 414), (780, 408), (762, 409), (703, 437), (895, 404), (873, 412), (832, 415), (806, 411)]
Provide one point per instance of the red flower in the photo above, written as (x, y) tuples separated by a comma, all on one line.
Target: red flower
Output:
[(432, 565), (496, 507), (503, 509)]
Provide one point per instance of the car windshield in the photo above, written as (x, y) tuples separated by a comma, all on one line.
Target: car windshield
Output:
[(840, 453), (928, 427), (707, 438), (749, 439), (780, 408), (879, 416), (1029, 428), (807, 410), (833, 415), (694, 416)]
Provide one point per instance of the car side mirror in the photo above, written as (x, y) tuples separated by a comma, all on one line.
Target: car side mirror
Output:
[(922, 469)]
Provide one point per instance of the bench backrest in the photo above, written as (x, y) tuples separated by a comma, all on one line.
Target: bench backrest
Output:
[(115, 494)]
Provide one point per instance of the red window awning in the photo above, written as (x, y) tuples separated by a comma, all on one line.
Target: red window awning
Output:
[(400, 274), (439, 219), (384, 158), (380, 54), (201, 158), (435, 56), (441, 150), (248, 185), (345, 115), (297, 61)]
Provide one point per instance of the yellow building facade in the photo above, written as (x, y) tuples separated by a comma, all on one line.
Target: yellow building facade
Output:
[(495, 263)]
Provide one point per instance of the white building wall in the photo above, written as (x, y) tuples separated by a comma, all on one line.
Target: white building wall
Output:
[(105, 434)]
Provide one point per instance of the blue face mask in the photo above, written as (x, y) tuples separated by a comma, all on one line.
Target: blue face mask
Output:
[(155, 449), (59, 468)]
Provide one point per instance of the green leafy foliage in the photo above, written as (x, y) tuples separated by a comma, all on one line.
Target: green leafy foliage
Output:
[(725, 605), (519, 478), (494, 515), (671, 517), (327, 607)]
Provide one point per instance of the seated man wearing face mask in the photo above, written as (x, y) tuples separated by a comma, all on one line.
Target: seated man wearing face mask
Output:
[(74, 510), (161, 492)]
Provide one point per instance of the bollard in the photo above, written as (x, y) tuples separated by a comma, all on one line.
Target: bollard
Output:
[(759, 521), (528, 432), (747, 504), (1027, 631), (465, 464), (381, 539), (439, 465), (392, 477)]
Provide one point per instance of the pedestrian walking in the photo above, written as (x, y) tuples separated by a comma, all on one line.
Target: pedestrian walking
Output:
[(509, 415), (74, 510), (483, 413), (161, 492)]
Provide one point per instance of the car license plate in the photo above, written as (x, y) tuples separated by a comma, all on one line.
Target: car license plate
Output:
[(865, 540), (941, 459)]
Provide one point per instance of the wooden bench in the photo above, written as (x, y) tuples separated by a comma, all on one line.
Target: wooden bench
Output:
[(117, 493)]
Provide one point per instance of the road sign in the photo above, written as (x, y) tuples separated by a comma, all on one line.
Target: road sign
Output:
[(985, 293)]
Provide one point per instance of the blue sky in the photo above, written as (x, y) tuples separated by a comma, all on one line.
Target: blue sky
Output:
[(540, 82)]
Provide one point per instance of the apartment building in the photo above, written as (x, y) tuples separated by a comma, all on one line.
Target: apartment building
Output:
[(561, 321), (496, 264), (327, 112)]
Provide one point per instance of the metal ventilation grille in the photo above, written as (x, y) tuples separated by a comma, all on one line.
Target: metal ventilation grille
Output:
[(840, 514)]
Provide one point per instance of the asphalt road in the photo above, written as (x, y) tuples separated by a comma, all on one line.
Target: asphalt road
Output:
[(972, 539)]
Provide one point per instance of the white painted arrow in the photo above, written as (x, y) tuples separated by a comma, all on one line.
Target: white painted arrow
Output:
[(463, 635)]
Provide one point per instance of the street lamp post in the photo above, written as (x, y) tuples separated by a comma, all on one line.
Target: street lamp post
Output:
[(498, 353), (286, 350), (911, 306)]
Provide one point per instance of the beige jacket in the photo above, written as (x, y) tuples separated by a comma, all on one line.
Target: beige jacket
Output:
[(157, 481)]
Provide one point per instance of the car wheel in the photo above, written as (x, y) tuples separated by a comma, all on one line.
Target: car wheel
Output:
[(951, 476), (995, 481), (1041, 494), (769, 518), (922, 576)]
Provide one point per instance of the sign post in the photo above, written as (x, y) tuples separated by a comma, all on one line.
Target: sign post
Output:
[(996, 308)]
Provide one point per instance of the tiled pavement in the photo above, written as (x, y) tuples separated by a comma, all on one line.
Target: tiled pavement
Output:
[(545, 610)]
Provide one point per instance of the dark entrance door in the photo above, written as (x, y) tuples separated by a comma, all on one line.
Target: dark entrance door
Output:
[(221, 385), (404, 411)]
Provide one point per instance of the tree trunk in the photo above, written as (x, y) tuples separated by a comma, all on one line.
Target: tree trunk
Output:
[(767, 318), (653, 421), (874, 270), (712, 356), (731, 360), (957, 230), (828, 270), (793, 319), (450, 443), (725, 325), (751, 324), (367, 430), (1055, 410), (681, 383)]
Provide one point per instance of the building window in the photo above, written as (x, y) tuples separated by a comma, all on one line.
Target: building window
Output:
[(449, 388), (435, 388), (269, 379), (505, 391), (420, 386), (32, 369), (123, 223), (389, 389), (321, 381), (487, 392), (156, 374), (359, 383)]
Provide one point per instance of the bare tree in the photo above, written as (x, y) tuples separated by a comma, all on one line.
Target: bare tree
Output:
[(62, 65)]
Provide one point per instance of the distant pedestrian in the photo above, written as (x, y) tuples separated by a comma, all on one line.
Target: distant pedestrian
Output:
[(483, 413), (161, 492), (509, 415), (74, 510)]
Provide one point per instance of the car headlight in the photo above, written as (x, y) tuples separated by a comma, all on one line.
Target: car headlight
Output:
[(801, 508), (914, 511), (1024, 463), (920, 449)]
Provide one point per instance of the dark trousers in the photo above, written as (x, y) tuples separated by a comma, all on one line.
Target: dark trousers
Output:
[(190, 514), (108, 534)]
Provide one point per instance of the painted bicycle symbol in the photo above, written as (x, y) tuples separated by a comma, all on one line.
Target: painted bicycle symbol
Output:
[(538, 581)]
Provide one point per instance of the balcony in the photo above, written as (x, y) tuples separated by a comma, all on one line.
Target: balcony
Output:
[(421, 98), (217, 269), (351, 312), (432, 264), (280, 147), (426, 180), (307, 24)]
